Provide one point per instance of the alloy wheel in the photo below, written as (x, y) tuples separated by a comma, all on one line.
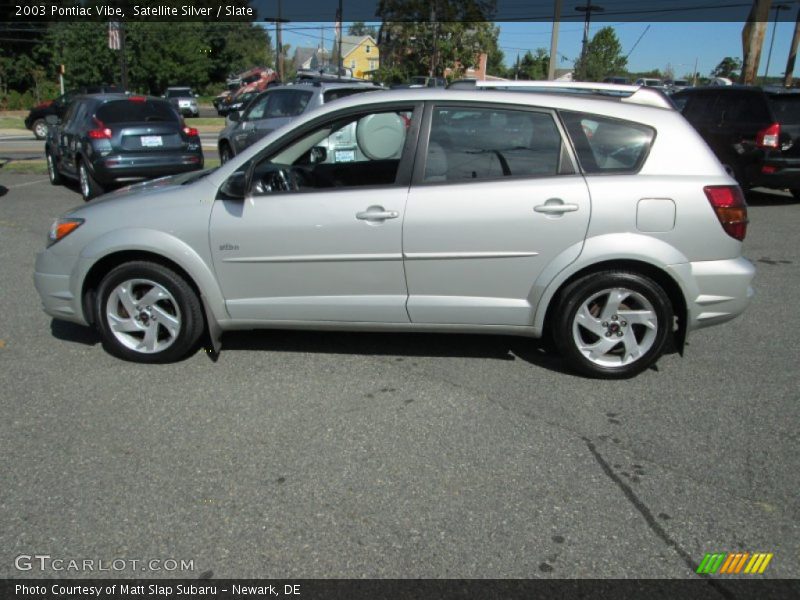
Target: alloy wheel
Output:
[(143, 316)]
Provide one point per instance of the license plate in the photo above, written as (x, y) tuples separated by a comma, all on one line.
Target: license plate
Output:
[(152, 141), (344, 155)]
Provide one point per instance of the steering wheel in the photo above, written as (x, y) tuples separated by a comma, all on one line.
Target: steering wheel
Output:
[(279, 180)]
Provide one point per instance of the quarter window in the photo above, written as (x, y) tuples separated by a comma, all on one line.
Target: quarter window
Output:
[(480, 144), (607, 145)]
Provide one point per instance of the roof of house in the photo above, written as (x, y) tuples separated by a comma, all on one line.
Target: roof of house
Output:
[(351, 42)]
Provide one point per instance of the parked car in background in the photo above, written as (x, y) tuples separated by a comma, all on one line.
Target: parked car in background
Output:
[(113, 139), (276, 107), (617, 80), (676, 85), (184, 100), (36, 121), (650, 82), (491, 212), (755, 132)]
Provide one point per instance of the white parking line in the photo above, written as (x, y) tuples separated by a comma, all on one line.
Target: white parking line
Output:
[(19, 185)]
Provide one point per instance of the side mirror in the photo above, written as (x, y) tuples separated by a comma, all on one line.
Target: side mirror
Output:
[(52, 120), (235, 187)]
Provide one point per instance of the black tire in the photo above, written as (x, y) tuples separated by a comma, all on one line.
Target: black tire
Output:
[(39, 129), (181, 303), (579, 337), (225, 153), (90, 188), (52, 169)]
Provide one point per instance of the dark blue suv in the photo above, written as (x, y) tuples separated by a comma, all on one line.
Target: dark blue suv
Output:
[(114, 139)]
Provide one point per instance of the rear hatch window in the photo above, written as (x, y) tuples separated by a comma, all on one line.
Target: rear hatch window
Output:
[(786, 108), (131, 111)]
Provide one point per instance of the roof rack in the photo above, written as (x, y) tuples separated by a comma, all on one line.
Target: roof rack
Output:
[(634, 94)]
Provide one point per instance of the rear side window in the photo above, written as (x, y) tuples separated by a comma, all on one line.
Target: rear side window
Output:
[(786, 108), (607, 145), (130, 111), (480, 144), (335, 94)]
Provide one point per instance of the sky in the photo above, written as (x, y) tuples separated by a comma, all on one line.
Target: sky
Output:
[(676, 44)]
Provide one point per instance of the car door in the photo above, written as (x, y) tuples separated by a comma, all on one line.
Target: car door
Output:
[(314, 239), (495, 201), (240, 138), (69, 136)]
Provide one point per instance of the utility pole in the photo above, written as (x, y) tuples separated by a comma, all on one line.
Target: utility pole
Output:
[(339, 58), (552, 63), (279, 41), (753, 40), (778, 8), (787, 78), (694, 78), (434, 56), (587, 10), (123, 59)]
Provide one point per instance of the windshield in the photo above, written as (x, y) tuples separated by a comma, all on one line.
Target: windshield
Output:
[(179, 93)]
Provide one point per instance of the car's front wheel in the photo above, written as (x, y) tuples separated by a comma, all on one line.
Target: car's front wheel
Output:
[(89, 186), (39, 129), (148, 313), (613, 324)]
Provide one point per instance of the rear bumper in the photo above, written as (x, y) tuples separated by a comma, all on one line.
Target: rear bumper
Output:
[(716, 290), (127, 168), (775, 174)]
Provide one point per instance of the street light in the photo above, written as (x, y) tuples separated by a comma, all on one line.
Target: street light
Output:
[(778, 8), (588, 10)]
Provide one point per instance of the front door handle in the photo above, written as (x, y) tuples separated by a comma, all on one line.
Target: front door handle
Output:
[(377, 213), (555, 206)]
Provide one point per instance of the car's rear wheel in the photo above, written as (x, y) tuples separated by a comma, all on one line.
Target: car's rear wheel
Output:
[(148, 313), (613, 324), (39, 129), (89, 186), (52, 169), (225, 153)]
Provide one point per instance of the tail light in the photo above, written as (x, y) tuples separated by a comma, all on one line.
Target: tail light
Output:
[(101, 133), (190, 131), (769, 136), (731, 210), (138, 99)]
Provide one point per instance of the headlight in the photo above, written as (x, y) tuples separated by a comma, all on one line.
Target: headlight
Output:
[(61, 228)]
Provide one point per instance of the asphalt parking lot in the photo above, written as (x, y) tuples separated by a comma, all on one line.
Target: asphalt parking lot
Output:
[(302, 454)]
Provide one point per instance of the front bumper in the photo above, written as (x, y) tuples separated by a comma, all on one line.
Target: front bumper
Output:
[(715, 290), (57, 289), (127, 168)]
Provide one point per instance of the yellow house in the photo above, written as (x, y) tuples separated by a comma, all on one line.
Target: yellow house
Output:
[(360, 54)]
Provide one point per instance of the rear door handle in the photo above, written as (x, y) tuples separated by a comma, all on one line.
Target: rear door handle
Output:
[(555, 208), (376, 213)]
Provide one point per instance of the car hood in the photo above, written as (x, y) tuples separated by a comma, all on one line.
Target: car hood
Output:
[(151, 187)]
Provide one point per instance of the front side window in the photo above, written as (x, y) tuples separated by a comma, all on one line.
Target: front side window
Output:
[(256, 108), (606, 145), (361, 150), (288, 103), (485, 143)]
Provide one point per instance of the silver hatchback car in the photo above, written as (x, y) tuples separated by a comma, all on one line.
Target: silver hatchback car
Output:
[(603, 222)]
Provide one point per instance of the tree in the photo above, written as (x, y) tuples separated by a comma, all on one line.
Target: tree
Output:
[(603, 57), (728, 67), (532, 66), (418, 38), (359, 28)]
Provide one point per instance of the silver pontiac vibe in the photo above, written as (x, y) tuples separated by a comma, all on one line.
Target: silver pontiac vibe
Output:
[(596, 216)]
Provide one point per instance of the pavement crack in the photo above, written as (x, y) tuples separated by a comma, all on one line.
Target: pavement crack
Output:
[(652, 522)]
